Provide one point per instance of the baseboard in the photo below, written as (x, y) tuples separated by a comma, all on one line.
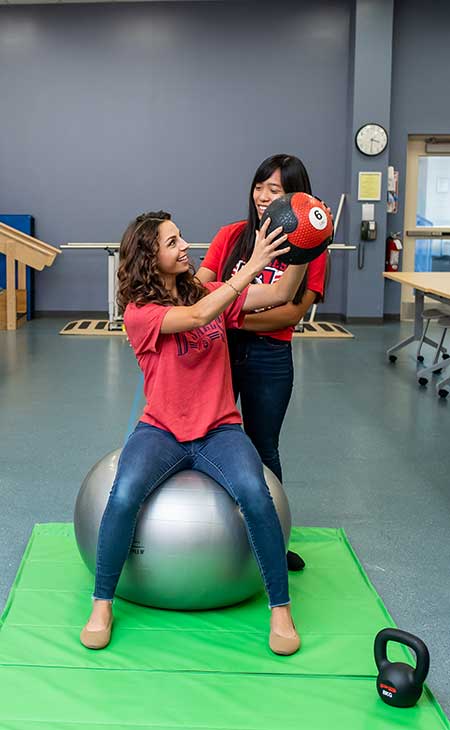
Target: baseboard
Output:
[(392, 317)]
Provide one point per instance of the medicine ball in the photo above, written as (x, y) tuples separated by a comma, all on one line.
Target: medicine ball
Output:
[(307, 223)]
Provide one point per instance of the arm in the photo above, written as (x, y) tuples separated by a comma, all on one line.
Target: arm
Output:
[(185, 318), (290, 314), (274, 295), (280, 317), (266, 296), (220, 247), (204, 275)]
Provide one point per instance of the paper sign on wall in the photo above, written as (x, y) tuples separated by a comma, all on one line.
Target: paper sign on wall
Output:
[(369, 186)]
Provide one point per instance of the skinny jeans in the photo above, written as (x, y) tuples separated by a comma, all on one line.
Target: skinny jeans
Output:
[(226, 454), (263, 376)]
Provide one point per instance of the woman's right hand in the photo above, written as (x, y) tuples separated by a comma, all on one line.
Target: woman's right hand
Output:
[(267, 247)]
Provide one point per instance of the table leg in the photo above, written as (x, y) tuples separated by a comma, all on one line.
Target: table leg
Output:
[(418, 312), (111, 288), (418, 327), (11, 299), (118, 319), (399, 346)]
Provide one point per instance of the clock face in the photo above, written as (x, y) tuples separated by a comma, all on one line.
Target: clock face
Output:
[(371, 139)]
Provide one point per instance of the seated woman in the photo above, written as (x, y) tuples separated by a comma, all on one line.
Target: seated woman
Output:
[(177, 328)]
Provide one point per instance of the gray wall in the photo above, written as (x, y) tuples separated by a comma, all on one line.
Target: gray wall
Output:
[(118, 108), (420, 91), (113, 109), (371, 98)]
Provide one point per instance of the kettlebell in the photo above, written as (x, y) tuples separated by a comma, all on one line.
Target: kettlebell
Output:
[(399, 684)]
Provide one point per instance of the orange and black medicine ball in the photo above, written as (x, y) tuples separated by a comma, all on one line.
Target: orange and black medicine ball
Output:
[(307, 223)]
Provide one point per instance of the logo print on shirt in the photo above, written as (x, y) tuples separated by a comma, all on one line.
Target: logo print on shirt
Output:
[(200, 339), (269, 275)]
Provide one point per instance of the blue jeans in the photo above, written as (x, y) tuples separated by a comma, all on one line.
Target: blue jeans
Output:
[(263, 375), (226, 454)]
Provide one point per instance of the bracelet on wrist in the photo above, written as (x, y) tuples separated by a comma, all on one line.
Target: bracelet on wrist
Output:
[(233, 287)]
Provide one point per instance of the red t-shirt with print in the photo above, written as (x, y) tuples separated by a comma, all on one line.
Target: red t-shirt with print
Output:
[(223, 243), (187, 376)]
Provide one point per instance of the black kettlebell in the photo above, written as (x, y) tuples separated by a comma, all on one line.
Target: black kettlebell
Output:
[(399, 684)]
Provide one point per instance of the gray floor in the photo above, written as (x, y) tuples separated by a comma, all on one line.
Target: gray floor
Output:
[(363, 448)]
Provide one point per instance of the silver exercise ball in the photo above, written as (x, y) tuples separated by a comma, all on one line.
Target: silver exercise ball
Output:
[(190, 548)]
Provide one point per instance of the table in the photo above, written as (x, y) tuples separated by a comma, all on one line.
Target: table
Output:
[(434, 285)]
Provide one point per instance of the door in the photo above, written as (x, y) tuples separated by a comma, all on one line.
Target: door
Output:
[(427, 211)]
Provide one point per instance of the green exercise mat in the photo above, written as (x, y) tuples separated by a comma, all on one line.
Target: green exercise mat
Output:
[(206, 669)]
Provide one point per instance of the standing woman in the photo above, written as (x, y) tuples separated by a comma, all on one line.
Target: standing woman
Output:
[(177, 328), (261, 352)]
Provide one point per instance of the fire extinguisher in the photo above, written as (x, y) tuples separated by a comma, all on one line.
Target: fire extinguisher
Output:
[(393, 248)]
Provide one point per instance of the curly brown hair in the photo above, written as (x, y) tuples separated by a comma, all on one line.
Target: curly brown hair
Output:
[(138, 275)]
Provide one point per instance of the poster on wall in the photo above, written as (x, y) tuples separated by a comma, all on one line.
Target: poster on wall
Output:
[(369, 186)]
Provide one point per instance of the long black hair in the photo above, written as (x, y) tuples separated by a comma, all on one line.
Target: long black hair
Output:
[(294, 179)]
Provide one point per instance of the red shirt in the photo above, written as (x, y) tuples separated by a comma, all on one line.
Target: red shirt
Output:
[(221, 247), (187, 376)]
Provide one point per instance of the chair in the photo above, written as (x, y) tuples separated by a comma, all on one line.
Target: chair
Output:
[(441, 388), (428, 315), (438, 365)]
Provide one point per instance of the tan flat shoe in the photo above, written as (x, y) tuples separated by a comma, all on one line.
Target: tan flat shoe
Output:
[(284, 645), (96, 639)]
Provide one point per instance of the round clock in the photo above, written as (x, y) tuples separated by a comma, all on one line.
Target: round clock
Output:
[(371, 139)]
